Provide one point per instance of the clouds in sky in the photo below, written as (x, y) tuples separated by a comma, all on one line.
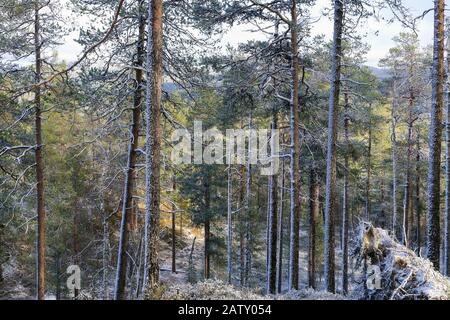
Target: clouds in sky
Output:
[(379, 34)]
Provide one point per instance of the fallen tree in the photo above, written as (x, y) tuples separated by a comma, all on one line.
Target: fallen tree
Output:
[(394, 272)]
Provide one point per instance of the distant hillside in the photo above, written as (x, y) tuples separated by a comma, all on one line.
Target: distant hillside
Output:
[(380, 73), (170, 87)]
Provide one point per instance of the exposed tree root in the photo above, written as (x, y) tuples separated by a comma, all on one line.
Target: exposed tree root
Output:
[(403, 275)]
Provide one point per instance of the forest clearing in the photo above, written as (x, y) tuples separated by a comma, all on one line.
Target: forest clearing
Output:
[(224, 150)]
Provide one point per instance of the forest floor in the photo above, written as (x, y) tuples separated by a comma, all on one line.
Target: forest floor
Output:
[(176, 285), (12, 286)]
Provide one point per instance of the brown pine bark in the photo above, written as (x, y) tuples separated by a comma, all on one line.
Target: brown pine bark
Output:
[(39, 160), (154, 138), (330, 189)]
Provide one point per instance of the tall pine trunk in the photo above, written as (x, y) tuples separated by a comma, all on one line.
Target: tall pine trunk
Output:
[(447, 171), (229, 224), (153, 143), (130, 177), (407, 211), (345, 203), (330, 191), (248, 235), (382, 219), (394, 156), (272, 223), (369, 166), (38, 157), (242, 217), (207, 225), (280, 233), (76, 243), (105, 257), (295, 156), (434, 164), (418, 208), (313, 219), (174, 216)]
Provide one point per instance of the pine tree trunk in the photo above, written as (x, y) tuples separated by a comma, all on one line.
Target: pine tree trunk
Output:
[(345, 204), (407, 212), (207, 231), (105, 257), (394, 157), (434, 165), (295, 156), (138, 285), (330, 192), (181, 224), (130, 176), (272, 224), (242, 228), (2, 253), (382, 220), (76, 245), (153, 143), (369, 167), (313, 217), (248, 183), (58, 276), (39, 161), (229, 224), (418, 209), (174, 261), (447, 171), (280, 234)]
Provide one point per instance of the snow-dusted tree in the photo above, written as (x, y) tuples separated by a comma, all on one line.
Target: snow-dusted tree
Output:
[(435, 138), (154, 72), (130, 177), (31, 29), (330, 188), (446, 265)]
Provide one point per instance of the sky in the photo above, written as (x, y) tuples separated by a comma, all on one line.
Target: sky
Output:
[(379, 34)]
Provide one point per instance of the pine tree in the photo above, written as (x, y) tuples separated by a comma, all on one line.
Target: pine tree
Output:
[(434, 164)]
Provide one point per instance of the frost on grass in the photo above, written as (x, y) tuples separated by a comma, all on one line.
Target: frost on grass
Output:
[(209, 290), (218, 290), (309, 294), (404, 275)]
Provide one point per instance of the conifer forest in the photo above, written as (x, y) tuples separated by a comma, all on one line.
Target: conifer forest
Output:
[(224, 150)]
